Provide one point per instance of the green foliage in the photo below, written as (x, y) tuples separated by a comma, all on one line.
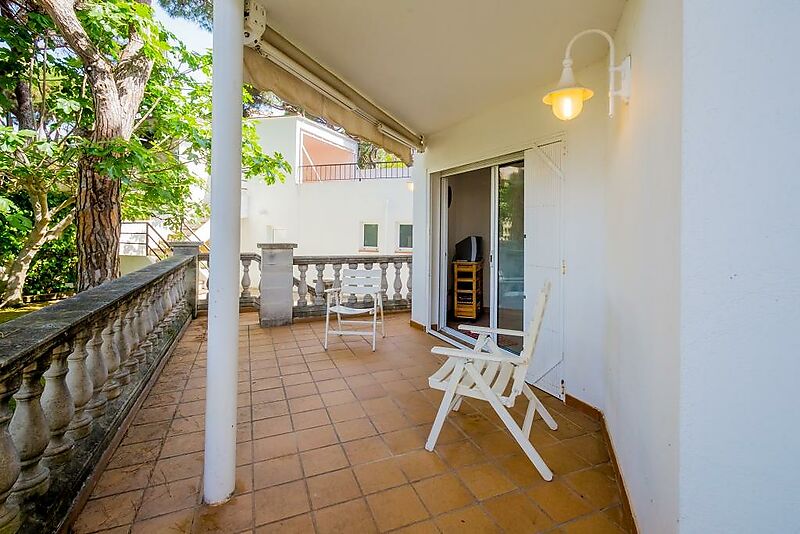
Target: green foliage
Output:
[(199, 11), (165, 159), (54, 269)]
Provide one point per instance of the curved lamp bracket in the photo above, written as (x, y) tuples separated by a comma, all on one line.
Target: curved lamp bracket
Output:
[(624, 69)]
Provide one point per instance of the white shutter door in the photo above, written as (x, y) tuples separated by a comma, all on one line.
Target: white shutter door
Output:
[(543, 257)]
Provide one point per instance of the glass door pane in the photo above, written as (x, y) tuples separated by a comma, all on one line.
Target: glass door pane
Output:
[(510, 250)]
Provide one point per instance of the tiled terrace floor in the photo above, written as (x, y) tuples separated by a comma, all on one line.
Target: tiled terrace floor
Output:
[(332, 442)]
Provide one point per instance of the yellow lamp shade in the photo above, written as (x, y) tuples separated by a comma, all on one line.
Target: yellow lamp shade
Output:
[(567, 102)]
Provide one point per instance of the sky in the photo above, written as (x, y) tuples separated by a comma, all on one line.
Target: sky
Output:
[(193, 36)]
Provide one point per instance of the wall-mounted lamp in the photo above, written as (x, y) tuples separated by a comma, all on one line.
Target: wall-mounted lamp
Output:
[(567, 99)]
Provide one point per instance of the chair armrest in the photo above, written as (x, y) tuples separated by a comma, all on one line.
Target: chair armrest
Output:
[(471, 355), (487, 330), (333, 289)]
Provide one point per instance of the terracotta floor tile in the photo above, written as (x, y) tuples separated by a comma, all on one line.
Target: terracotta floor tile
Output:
[(520, 470), (277, 471), (380, 475), (335, 398), (310, 419), (322, 460), (146, 432), (186, 425), (178, 467), (594, 486), (558, 501), (460, 453), (420, 464), (423, 527), (391, 421), (396, 508), (272, 426), (515, 513), (346, 412), (472, 520), (136, 453), (187, 443), (267, 395), (280, 502), (170, 497), (123, 479), (355, 429), (443, 493), (108, 512), (590, 447), (332, 488), (594, 524), (334, 384), (353, 516), (300, 524), (405, 440), (154, 415), (485, 480), (274, 446), (314, 438), (366, 450), (300, 378), (233, 516), (300, 390), (561, 460), (304, 404), (270, 409), (179, 522)]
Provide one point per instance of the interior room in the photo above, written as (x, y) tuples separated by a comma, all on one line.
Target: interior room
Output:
[(469, 200)]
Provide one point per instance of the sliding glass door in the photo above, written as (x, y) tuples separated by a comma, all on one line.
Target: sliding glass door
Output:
[(510, 247)]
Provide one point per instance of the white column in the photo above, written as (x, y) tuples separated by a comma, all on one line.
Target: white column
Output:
[(223, 297)]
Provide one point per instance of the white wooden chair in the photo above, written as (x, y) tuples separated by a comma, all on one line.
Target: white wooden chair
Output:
[(484, 373), (364, 282)]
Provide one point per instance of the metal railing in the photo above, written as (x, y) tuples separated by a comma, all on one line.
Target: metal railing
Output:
[(71, 375), (141, 238), (352, 171)]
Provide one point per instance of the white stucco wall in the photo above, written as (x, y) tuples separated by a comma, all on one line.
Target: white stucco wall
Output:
[(323, 218), (740, 298)]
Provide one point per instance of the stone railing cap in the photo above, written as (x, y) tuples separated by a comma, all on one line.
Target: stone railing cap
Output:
[(185, 243), (276, 245)]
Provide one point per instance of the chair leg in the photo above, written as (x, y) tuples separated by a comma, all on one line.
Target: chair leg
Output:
[(374, 326), (327, 325), (537, 405), (456, 404), (383, 325), (516, 431), (445, 406)]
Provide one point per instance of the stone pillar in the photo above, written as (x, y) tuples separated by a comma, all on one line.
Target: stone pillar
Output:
[(276, 283), (189, 248)]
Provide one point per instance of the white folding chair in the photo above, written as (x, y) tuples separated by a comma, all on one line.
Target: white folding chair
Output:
[(364, 282), (484, 373)]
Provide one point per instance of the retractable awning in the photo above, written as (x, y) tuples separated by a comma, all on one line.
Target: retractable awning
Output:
[(273, 63)]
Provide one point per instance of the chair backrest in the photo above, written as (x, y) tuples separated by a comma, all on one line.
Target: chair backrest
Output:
[(530, 339), (361, 281)]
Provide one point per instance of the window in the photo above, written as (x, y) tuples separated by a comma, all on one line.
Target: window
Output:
[(405, 236), (370, 235)]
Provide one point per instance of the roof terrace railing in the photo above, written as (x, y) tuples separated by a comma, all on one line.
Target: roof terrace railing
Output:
[(71, 375), (389, 170)]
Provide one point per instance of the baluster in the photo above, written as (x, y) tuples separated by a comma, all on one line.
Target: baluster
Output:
[(319, 288), (408, 285), (80, 387), (384, 281), (31, 435), (337, 275), (246, 277), (142, 330), (111, 357), (9, 459), (302, 286), (96, 366), (368, 298), (130, 335), (352, 300), (398, 282), (58, 407)]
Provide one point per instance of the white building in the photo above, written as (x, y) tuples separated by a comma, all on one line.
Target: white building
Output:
[(327, 205)]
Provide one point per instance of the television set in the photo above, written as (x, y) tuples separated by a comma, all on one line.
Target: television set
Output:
[(469, 249)]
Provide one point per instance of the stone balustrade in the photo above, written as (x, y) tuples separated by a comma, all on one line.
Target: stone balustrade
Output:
[(315, 274), (249, 285), (70, 376)]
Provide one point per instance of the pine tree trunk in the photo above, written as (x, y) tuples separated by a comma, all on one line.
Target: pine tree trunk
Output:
[(98, 225)]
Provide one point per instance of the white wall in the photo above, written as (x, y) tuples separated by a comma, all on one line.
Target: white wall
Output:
[(740, 299), (643, 285), (323, 218)]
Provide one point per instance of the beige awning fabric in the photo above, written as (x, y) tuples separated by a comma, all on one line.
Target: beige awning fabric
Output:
[(267, 75)]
